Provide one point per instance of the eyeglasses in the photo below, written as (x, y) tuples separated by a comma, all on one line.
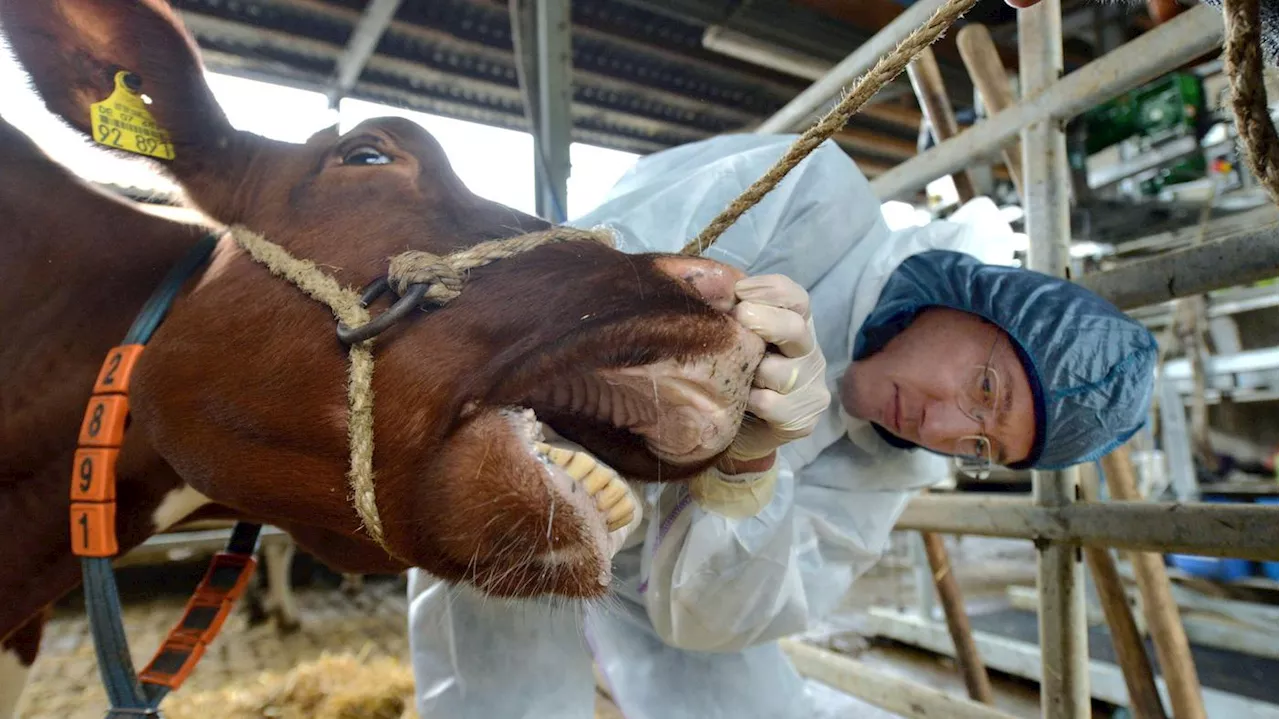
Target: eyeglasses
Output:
[(973, 455)]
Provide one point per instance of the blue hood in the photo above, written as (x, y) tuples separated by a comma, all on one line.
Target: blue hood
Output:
[(1092, 368)]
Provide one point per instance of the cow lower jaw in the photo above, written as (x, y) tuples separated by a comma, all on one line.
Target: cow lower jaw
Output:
[(586, 485)]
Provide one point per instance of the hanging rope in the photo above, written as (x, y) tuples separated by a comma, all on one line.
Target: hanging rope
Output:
[(1242, 63), (884, 71)]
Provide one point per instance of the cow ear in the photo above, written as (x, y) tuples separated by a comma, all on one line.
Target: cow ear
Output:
[(99, 63)]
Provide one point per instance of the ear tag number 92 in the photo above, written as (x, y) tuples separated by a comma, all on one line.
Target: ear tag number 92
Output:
[(123, 122)]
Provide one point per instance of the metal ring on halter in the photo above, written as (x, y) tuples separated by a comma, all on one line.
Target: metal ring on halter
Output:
[(377, 325)]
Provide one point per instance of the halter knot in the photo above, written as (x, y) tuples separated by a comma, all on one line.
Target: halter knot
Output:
[(444, 276)]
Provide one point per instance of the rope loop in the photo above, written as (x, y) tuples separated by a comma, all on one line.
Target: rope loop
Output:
[(442, 278), (445, 275)]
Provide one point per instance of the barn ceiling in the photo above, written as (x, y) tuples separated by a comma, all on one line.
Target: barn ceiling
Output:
[(647, 74), (642, 81)]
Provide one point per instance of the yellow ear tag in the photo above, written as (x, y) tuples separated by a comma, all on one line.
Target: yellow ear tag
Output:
[(123, 122)]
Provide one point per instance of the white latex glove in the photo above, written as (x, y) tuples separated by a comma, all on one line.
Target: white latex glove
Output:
[(790, 391), (735, 496), (788, 397)]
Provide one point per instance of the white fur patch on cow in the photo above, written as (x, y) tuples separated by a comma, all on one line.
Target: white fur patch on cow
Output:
[(281, 600), (177, 505), (13, 677)]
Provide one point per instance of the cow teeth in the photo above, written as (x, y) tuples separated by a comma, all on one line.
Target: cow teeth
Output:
[(559, 455), (580, 465), (601, 482), (611, 495), (598, 479), (621, 514)]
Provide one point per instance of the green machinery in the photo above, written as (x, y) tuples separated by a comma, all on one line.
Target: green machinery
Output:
[(1164, 111)]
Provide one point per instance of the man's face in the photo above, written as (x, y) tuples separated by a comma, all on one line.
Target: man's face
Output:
[(948, 377)]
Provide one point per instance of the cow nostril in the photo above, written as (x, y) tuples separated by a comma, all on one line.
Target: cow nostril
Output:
[(712, 280)]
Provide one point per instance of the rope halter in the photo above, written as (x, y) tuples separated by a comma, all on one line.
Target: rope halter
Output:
[(416, 276)]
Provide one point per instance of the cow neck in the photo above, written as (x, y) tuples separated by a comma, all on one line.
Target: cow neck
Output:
[(93, 530)]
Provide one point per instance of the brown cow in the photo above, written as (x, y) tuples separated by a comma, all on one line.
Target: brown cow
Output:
[(239, 400)]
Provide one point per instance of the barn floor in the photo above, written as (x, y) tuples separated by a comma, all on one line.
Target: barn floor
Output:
[(65, 685)]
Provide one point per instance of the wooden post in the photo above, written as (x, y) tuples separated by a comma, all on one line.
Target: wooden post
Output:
[(986, 70), (1131, 654), (1172, 648), (926, 80), (967, 656), (1046, 178)]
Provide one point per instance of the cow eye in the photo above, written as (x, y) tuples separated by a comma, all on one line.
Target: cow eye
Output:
[(365, 155)]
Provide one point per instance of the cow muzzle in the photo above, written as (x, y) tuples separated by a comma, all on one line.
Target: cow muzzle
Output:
[(685, 410)]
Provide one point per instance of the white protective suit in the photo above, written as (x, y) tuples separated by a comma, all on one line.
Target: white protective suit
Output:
[(700, 597)]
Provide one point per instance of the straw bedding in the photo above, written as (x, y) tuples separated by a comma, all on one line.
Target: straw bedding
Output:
[(333, 686)]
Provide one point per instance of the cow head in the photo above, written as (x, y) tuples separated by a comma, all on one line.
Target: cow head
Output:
[(242, 390)]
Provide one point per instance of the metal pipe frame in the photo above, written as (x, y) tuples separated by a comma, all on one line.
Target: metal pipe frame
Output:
[(1182, 39), (1242, 259), (373, 22), (1211, 530), (553, 123)]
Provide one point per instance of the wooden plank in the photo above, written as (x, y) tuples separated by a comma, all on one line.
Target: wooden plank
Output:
[(1172, 648), (944, 580), (1126, 638), (1202, 630), (883, 690), (931, 93), (1023, 660), (1216, 530), (981, 59), (1131, 653)]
